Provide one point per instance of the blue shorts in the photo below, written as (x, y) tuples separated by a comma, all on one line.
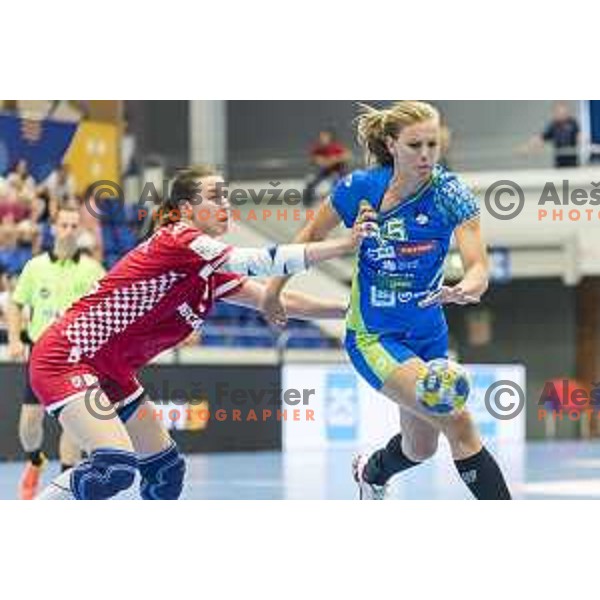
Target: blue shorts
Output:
[(377, 356)]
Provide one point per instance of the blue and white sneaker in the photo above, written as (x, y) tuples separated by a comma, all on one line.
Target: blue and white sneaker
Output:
[(366, 491)]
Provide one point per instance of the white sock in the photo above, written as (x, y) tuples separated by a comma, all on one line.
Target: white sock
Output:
[(59, 489)]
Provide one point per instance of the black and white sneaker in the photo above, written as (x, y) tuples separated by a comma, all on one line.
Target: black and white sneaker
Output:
[(366, 491)]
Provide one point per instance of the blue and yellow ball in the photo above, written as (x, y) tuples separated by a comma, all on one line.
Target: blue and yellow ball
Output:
[(443, 387)]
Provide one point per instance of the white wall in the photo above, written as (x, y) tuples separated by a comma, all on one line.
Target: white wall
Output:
[(486, 133), (545, 246), (208, 132)]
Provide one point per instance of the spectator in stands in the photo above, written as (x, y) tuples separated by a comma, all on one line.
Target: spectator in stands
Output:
[(45, 206), (43, 211), (18, 232), (563, 133), (11, 205), (18, 242), (21, 181), (28, 237), (26, 214), (330, 159), (60, 184), (8, 242)]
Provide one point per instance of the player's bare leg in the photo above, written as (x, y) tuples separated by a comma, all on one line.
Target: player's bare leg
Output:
[(419, 438), (68, 452), (89, 431), (111, 464), (462, 435), (476, 466), (31, 431), (162, 468), (147, 434), (31, 435), (417, 442)]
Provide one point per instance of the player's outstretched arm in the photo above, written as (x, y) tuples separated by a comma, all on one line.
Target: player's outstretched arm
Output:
[(288, 259), (326, 220), (296, 304), (305, 306)]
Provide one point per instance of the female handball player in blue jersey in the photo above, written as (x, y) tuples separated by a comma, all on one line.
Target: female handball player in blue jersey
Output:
[(395, 322)]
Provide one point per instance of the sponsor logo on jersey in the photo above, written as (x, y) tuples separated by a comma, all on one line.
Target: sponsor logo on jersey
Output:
[(207, 248), (389, 266), (402, 279), (84, 381), (191, 318), (394, 229), (382, 298), (422, 219), (416, 248), (405, 296), (381, 253)]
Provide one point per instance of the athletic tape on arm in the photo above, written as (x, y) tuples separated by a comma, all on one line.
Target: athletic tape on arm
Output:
[(264, 262), (254, 262)]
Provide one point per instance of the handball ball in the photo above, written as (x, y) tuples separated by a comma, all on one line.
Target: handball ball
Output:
[(443, 387)]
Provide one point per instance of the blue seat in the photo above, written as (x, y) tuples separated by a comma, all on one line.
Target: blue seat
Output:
[(113, 212), (4, 259), (211, 340), (117, 240), (235, 326), (14, 259), (228, 311)]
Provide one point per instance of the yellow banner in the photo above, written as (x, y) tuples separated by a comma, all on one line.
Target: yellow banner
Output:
[(94, 154)]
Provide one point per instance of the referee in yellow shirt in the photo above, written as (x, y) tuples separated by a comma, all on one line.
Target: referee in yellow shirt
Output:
[(47, 286)]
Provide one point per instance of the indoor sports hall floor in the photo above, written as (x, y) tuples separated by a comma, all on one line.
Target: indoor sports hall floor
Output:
[(545, 470)]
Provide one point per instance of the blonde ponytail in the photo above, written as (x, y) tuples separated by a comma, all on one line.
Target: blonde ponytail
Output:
[(375, 125)]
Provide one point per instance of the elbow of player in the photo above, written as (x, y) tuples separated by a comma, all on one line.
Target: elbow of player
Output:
[(309, 234)]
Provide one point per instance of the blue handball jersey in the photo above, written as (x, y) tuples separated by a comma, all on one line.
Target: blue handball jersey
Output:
[(405, 263)]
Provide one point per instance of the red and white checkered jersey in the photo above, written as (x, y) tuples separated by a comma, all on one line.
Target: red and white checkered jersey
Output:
[(149, 302)]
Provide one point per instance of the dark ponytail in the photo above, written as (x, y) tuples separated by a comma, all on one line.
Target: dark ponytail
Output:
[(185, 187)]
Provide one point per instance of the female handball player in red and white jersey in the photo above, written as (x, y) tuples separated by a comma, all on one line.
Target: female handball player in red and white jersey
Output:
[(149, 302)]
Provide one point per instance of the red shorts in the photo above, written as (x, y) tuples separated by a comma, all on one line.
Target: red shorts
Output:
[(56, 381)]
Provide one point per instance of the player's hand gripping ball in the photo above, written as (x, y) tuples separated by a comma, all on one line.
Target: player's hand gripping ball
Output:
[(443, 387)]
